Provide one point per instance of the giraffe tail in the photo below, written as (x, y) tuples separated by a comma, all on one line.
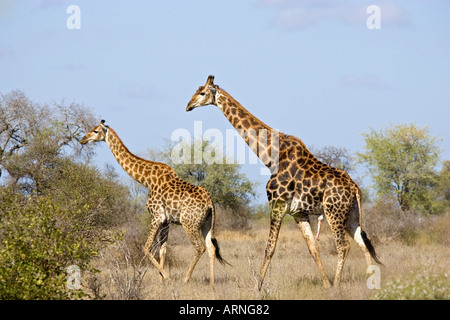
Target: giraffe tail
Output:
[(370, 247), (366, 240), (214, 240), (218, 256)]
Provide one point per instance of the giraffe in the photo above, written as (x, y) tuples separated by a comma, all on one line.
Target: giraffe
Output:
[(299, 185), (170, 200)]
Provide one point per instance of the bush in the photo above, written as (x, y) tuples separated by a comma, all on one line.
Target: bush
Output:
[(37, 245), (385, 221), (402, 160), (42, 235), (419, 285)]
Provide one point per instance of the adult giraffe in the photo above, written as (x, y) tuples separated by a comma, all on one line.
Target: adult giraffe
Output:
[(170, 200), (300, 184)]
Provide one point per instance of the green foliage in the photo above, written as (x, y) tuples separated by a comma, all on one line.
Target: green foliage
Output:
[(81, 187), (442, 188), (65, 225), (228, 187), (402, 160), (421, 285), (38, 241)]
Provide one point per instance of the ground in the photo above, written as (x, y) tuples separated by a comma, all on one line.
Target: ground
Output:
[(415, 267)]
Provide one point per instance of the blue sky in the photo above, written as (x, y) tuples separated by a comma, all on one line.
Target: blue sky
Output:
[(310, 68)]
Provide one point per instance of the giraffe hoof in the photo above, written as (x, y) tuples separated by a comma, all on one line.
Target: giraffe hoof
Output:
[(164, 276)]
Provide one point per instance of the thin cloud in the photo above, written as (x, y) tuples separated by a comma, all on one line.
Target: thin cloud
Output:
[(74, 67), (49, 4), (365, 81), (6, 52), (298, 14), (137, 91)]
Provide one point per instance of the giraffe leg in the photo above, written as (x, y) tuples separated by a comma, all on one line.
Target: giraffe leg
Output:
[(199, 245), (305, 228), (212, 256), (148, 245), (207, 231), (343, 247), (275, 225), (163, 236)]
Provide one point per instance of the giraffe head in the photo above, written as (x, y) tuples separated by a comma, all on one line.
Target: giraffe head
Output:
[(98, 133), (204, 96)]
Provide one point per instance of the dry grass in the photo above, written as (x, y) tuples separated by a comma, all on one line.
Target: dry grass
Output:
[(292, 273)]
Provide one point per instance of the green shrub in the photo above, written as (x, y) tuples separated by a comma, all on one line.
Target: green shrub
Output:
[(421, 285), (37, 244)]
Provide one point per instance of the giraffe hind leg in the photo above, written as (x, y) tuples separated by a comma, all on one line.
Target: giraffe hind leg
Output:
[(210, 247), (148, 245), (207, 232), (163, 236), (342, 244), (343, 247), (198, 242)]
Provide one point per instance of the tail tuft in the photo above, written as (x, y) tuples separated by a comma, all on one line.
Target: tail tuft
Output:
[(219, 257), (370, 247)]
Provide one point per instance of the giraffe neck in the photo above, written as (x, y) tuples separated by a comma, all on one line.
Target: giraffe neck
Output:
[(262, 139), (128, 161)]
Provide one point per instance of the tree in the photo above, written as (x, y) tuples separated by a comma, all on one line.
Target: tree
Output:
[(402, 161), (229, 188), (441, 189), (334, 156), (444, 181), (33, 135)]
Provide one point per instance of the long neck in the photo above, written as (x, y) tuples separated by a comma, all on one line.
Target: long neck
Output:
[(128, 161), (262, 139)]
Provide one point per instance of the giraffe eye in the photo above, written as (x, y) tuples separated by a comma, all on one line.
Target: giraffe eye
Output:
[(95, 131), (202, 93)]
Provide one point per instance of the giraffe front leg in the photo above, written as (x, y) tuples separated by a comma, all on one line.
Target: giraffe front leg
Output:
[(305, 228), (275, 225)]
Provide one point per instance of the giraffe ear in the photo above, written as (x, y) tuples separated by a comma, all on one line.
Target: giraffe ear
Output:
[(213, 90), (104, 128)]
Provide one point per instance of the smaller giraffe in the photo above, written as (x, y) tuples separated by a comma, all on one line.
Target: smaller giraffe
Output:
[(171, 200)]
